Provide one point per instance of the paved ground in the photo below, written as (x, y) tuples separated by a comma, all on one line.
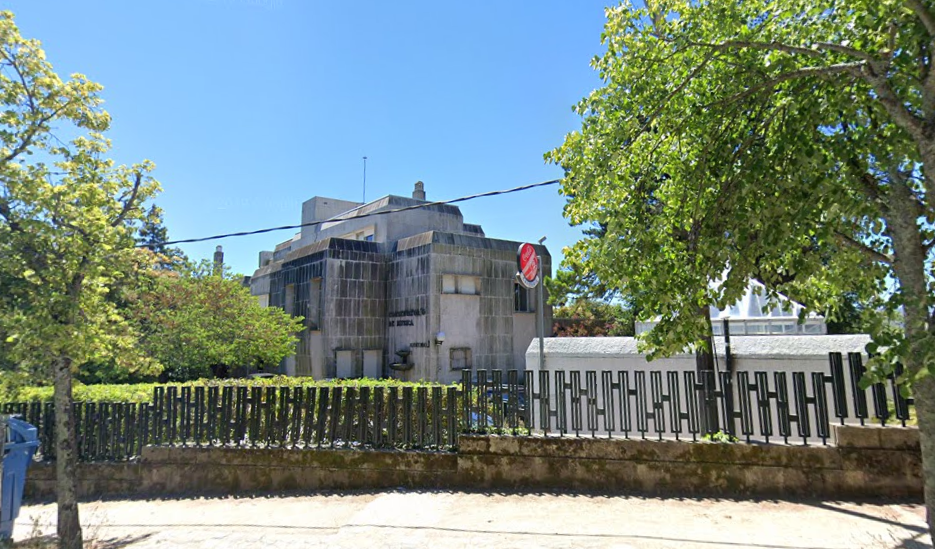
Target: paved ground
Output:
[(412, 519)]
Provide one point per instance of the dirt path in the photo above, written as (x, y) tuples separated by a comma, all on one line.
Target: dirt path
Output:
[(412, 519)]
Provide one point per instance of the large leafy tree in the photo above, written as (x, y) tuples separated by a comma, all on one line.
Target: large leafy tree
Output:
[(792, 142), (67, 222), (198, 324)]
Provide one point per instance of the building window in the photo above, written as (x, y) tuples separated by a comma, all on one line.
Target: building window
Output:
[(460, 358), (467, 285), (449, 284), (755, 328), (811, 328), (522, 299), (363, 234), (344, 364), (460, 284), (314, 304)]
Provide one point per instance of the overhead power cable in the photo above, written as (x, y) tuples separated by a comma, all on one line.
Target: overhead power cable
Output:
[(345, 216)]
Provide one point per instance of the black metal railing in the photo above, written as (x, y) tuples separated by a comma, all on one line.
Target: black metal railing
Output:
[(248, 417), (769, 407), (753, 406)]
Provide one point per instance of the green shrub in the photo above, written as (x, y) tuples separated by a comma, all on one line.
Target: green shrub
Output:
[(720, 437), (143, 392)]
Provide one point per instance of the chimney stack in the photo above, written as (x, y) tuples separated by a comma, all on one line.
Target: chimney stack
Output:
[(219, 260), (419, 192)]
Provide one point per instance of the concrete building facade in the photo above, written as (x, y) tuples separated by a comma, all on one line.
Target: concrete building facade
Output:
[(398, 287)]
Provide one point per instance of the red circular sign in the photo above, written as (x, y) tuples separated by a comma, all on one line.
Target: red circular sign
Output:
[(528, 262)]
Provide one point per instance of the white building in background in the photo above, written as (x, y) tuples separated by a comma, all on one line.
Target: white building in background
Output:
[(750, 316)]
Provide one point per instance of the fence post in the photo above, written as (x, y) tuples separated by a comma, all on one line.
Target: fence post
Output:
[(704, 365)]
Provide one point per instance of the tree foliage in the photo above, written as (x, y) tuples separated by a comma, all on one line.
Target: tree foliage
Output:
[(198, 324), (792, 142), (575, 280), (153, 235)]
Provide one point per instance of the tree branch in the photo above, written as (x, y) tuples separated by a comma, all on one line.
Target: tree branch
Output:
[(914, 202), (724, 188), (873, 254), (31, 256), (57, 219), (129, 203), (819, 49), (871, 69), (27, 140), (927, 79), (846, 50), (821, 72), (649, 120), (925, 16), (7, 214), (22, 79), (892, 104), (865, 177)]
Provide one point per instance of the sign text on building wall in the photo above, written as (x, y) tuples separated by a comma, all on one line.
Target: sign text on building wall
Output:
[(404, 313)]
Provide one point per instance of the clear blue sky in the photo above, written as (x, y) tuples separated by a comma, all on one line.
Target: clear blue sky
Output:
[(249, 107)]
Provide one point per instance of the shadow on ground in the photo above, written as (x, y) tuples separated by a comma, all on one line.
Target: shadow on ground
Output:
[(49, 542)]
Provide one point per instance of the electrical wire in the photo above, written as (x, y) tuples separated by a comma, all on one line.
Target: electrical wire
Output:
[(345, 216)]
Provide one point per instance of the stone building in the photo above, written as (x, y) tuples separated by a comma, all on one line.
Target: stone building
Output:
[(398, 287)]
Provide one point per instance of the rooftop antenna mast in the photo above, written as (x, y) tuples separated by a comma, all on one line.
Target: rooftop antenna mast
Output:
[(364, 200)]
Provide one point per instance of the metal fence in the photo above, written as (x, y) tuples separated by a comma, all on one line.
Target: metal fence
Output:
[(768, 407), (424, 418), (754, 406)]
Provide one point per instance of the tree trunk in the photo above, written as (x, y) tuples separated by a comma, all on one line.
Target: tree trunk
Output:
[(924, 393), (909, 268), (66, 459)]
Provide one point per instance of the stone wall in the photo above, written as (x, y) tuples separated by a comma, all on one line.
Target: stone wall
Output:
[(408, 307), (867, 462), (859, 467), (354, 306)]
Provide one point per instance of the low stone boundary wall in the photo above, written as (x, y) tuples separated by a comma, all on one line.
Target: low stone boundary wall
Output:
[(865, 462), (173, 470)]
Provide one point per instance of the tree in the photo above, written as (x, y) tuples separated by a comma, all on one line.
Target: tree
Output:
[(589, 318), (67, 224), (574, 281), (154, 236), (790, 142), (199, 325)]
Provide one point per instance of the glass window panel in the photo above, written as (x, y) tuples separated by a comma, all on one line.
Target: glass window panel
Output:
[(448, 284), (756, 328), (467, 285)]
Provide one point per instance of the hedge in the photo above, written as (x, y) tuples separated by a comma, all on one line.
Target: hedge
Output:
[(143, 392)]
